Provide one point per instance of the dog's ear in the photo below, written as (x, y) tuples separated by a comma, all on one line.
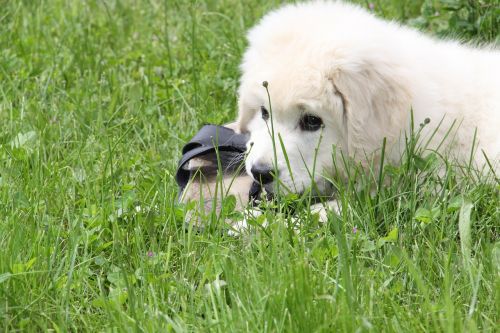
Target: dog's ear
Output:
[(376, 106)]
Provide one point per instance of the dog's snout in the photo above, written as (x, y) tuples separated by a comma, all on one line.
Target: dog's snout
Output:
[(262, 173)]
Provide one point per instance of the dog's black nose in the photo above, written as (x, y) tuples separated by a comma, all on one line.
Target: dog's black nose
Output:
[(262, 173)]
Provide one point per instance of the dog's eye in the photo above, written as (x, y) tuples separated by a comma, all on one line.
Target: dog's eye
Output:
[(310, 123), (264, 112)]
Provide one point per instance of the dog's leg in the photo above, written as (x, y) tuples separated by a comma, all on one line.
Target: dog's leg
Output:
[(320, 208)]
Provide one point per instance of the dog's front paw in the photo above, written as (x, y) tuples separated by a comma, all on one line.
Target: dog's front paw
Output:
[(322, 209), (239, 227)]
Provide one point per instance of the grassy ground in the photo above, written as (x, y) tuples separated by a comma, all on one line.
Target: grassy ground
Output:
[(96, 100)]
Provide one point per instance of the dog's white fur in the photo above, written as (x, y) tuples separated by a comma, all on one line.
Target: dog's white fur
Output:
[(363, 76)]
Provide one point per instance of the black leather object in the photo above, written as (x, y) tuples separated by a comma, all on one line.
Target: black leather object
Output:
[(209, 139)]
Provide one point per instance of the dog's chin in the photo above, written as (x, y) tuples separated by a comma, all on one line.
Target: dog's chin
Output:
[(321, 189), (259, 192)]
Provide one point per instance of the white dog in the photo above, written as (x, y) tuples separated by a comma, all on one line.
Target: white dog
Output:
[(341, 80)]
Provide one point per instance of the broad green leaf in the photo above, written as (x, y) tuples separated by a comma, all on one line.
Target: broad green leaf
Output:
[(99, 302), (427, 215), (393, 258), (455, 204), (423, 215), (368, 245), (392, 236), (118, 295), (23, 267), (426, 162), (229, 204)]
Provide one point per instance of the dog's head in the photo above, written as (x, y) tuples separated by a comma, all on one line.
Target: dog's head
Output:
[(331, 96)]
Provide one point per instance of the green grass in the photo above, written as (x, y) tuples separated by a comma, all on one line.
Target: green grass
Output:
[(96, 100)]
